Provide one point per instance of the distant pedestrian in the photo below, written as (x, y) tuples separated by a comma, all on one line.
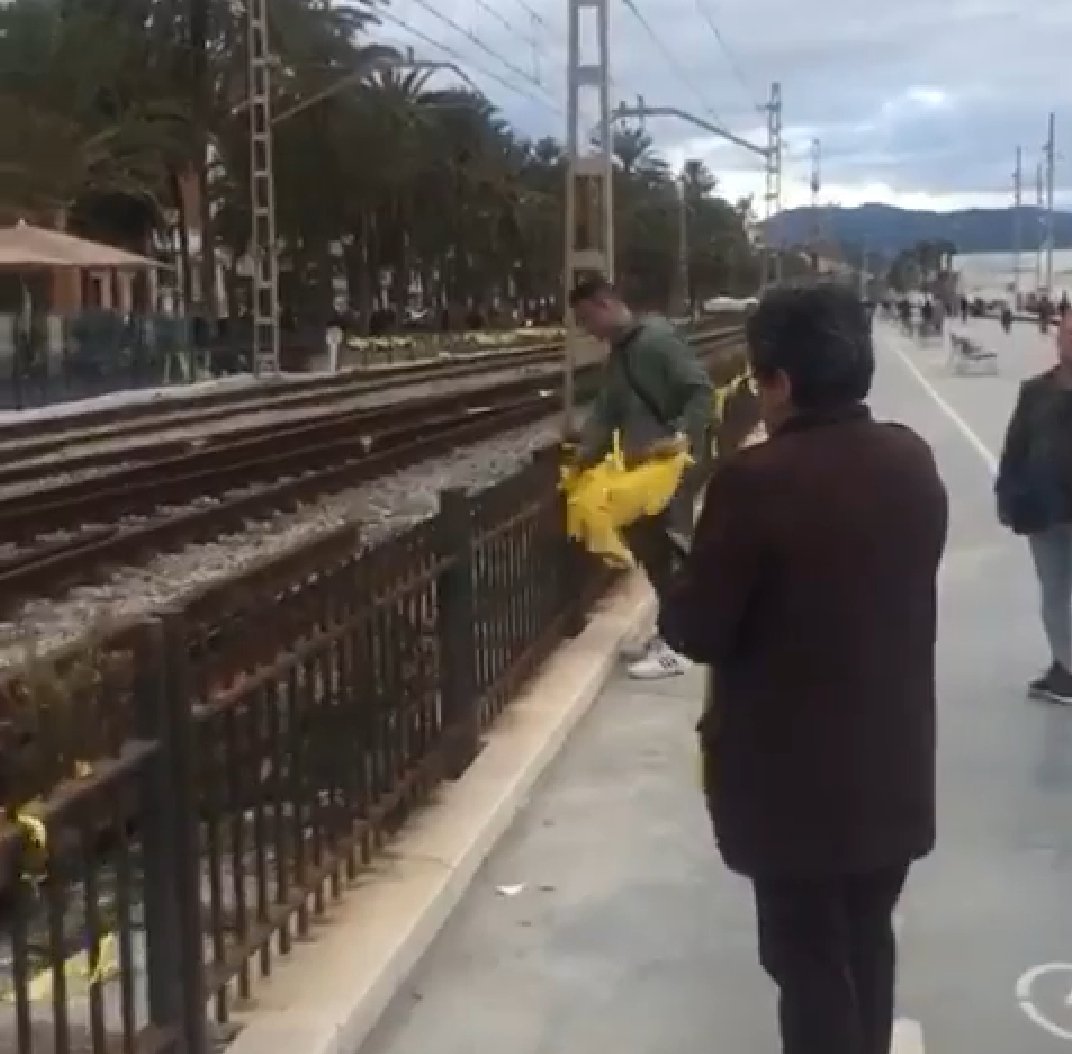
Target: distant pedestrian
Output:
[(1006, 318), (926, 318), (964, 309), (1045, 313), (1034, 495), (904, 309), (810, 592), (1063, 306), (654, 388)]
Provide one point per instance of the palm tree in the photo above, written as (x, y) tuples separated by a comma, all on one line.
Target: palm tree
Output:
[(698, 179), (110, 107), (83, 117), (632, 151)]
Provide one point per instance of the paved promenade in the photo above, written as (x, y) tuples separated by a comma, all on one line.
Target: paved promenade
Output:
[(604, 920)]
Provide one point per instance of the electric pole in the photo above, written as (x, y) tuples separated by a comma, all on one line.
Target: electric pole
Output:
[(1017, 192), (1040, 202), (816, 186), (683, 248), (772, 197), (589, 184), (1051, 154), (262, 248), (533, 26)]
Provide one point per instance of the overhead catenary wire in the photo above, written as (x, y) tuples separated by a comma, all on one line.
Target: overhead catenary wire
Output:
[(506, 63), (537, 17), (462, 59), (528, 38), (704, 8), (673, 62)]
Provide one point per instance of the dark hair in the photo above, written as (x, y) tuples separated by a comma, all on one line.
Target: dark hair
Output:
[(820, 337), (589, 288)]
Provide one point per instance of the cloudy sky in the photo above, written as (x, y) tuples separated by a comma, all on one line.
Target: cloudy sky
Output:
[(916, 102)]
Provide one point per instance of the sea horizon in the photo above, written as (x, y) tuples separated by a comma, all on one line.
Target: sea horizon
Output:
[(992, 275)]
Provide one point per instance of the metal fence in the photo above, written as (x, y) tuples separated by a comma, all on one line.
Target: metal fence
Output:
[(61, 357), (244, 757)]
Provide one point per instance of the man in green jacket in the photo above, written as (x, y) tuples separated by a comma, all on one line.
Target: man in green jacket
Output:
[(654, 388)]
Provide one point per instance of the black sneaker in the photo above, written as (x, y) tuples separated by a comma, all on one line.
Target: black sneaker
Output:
[(1036, 689), (1055, 687)]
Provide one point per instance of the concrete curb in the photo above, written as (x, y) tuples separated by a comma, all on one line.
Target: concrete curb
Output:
[(327, 996)]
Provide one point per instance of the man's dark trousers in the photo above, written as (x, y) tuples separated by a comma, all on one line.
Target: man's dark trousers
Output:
[(650, 542), (828, 944)]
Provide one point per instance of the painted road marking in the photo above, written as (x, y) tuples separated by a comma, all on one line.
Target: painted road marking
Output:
[(1027, 1003), (943, 404), (907, 1037), (908, 1034)]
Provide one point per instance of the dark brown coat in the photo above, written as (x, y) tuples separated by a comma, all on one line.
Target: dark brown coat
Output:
[(811, 592)]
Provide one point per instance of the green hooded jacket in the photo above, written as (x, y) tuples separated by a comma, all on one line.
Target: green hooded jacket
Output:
[(653, 358)]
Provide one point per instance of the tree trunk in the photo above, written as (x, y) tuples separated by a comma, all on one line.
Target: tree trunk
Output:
[(325, 267), (201, 94), (207, 262), (364, 273), (185, 268)]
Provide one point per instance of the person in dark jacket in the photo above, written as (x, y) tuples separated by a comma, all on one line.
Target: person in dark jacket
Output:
[(654, 387), (810, 591), (1034, 495)]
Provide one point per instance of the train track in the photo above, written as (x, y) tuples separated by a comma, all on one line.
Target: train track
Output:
[(70, 534), (35, 436), (22, 442)]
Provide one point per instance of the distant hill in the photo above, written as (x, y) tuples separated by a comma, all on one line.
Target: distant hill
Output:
[(886, 229)]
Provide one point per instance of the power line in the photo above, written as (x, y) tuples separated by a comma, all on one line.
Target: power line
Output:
[(458, 57), (674, 63), (735, 66), (516, 70), (537, 17), (504, 22), (528, 38)]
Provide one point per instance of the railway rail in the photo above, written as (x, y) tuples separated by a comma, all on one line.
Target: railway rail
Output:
[(24, 441), (36, 436), (70, 534)]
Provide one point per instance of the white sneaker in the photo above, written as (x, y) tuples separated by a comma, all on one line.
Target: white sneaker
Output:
[(660, 662), (637, 648)]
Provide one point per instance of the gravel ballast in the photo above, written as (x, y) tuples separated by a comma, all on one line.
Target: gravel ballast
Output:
[(383, 507)]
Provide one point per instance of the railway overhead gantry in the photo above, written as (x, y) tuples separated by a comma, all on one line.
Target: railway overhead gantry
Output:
[(771, 153)]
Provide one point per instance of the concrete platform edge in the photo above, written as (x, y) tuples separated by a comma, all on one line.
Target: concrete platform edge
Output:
[(328, 994)]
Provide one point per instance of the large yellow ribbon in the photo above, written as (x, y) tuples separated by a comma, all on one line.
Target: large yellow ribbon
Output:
[(80, 971)]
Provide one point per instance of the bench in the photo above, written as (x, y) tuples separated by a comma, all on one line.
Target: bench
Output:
[(967, 357)]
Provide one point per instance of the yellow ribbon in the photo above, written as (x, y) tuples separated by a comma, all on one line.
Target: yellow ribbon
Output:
[(80, 975), (79, 970), (33, 830), (721, 395)]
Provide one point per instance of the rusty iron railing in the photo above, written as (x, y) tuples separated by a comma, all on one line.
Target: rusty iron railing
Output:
[(228, 766)]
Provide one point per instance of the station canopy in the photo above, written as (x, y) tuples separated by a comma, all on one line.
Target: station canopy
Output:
[(26, 247)]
